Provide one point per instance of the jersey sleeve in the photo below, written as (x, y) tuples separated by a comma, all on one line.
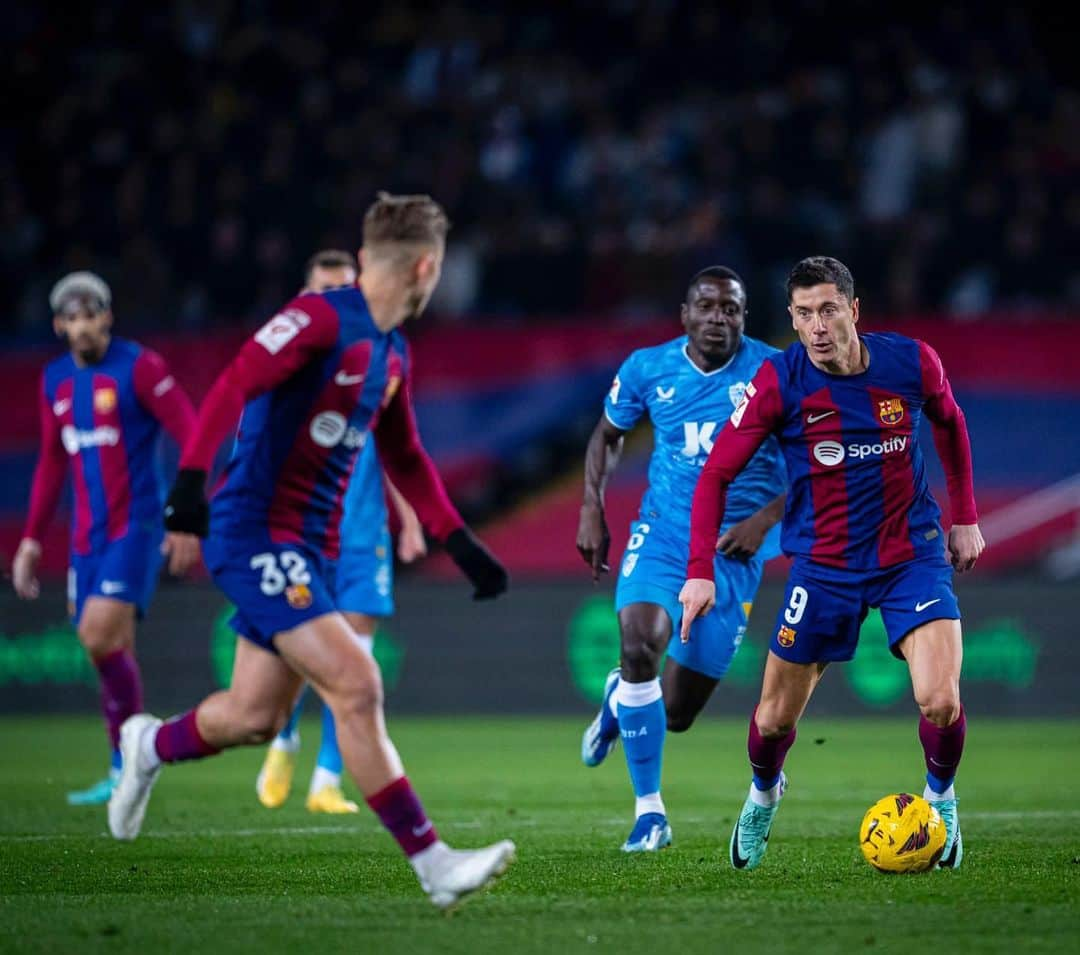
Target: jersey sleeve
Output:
[(49, 472), (950, 436), (304, 329), (160, 394), (758, 415), (624, 405), (411, 469)]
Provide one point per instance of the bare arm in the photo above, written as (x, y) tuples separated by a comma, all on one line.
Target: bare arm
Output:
[(601, 457), (411, 544), (742, 540)]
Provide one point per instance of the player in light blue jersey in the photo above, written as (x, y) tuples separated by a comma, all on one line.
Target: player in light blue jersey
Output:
[(365, 580), (688, 387)]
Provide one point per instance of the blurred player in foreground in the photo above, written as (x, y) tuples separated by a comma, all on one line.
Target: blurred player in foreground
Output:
[(365, 571), (861, 525), (310, 383), (688, 387), (103, 406)]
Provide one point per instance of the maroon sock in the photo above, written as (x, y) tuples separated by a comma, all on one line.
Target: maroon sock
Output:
[(121, 690), (399, 809), (179, 739), (942, 747), (766, 755)]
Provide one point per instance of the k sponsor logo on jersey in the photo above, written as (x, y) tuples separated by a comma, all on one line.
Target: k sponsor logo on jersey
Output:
[(891, 411), (699, 437), (282, 329)]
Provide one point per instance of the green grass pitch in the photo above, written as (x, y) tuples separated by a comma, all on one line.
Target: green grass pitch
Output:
[(214, 871)]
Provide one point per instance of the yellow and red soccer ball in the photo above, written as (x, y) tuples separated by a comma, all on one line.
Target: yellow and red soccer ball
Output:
[(902, 833)]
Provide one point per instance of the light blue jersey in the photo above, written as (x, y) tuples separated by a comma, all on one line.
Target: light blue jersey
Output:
[(688, 409), (365, 568)]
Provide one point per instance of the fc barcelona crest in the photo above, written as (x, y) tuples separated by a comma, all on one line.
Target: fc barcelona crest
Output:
[(891, 410)]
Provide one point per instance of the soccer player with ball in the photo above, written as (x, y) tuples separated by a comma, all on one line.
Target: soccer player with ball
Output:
[(861, 525)]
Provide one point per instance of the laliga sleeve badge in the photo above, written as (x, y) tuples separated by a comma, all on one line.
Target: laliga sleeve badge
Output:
[(299, 596)]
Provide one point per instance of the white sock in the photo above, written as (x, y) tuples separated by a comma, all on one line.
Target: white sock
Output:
[(287, 744), (148, 757), (638, 694), (322, 778), (932, 797), (649, 803), (765, 797)]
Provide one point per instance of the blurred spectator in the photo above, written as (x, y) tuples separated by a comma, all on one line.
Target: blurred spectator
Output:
[(589, 154)]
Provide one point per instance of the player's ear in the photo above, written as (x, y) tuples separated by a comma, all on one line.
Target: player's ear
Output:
[(854, 311), (684, 314), (107, 320), (361, 257), (58, 328)]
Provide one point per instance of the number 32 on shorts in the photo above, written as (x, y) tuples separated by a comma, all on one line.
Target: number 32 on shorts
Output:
[(280, 570)]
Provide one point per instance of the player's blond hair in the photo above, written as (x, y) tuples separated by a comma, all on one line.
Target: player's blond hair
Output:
[(401, 223)]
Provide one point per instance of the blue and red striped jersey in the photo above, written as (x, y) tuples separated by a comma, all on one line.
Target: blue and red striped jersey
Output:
[(858, 494), (311, 383), (106, 418)]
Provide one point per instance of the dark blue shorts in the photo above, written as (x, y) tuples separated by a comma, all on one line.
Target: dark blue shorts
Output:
[(125, 569), (274, 587), (824, 607)]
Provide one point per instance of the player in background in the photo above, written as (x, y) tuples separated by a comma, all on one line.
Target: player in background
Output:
[(688, 387), (364, 586), (310, 384), (861, 524), (103, 406)]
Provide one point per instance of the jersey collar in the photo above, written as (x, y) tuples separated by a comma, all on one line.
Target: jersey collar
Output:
[(715, 371)]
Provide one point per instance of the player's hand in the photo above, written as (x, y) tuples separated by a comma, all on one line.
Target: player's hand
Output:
[(186, 509), (741, 541), (24, 569), (182, 551), (411, 544), (488, 576), (593, 539), (965, 545), (698, 597)]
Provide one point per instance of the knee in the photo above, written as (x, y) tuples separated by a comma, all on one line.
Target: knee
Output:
[(640, 655), (772, 722), (941, 708), (99, 638), (680, 718), (358, 695)]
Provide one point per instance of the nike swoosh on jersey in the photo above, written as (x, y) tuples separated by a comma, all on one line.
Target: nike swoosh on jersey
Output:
[(344, 379), (59, 407), (814, 418), (920, 607)]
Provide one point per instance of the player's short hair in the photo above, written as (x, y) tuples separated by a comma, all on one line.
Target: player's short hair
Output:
[(719, 272), (822, 270), (86, 284), (330, 259), (416, 220)]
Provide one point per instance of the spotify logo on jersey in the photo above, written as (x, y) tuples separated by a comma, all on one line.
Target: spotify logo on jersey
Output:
[(327, 429), (829, 453)]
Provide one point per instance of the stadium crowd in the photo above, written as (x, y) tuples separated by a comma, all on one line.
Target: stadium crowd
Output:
[(590, 155)]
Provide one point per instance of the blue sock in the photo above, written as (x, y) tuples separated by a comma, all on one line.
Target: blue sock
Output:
[(289, 728), (329, 754), (937, 784), (116, 761), (642, 725)]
